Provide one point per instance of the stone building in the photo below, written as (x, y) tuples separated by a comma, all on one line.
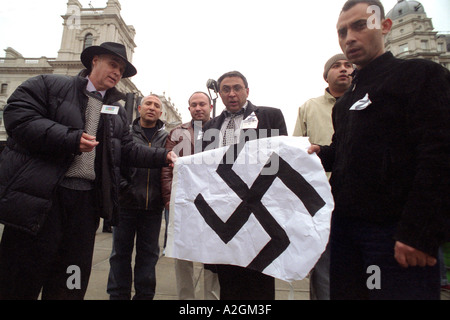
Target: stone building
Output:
[(413, 35), (83, 27)]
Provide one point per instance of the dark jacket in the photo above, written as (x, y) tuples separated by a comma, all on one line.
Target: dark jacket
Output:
[(141, 188), (44, 120), (268, 119), (390, 162)]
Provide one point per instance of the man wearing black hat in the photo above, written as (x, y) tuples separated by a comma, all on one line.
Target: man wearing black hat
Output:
[(67, 137)]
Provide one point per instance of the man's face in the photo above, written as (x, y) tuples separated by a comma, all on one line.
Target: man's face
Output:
[(339, 74), (200, 108), (233, 93), (150, 110), (358, 42), (107, 71)]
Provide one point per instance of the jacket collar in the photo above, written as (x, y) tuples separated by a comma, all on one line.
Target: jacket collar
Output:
[(138, 128), (328, 96), (218, 121), (249, 108), (186, 126), (112, 95), (373, 68)]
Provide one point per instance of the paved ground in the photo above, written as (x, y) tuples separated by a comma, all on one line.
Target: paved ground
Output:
[(165, 272)]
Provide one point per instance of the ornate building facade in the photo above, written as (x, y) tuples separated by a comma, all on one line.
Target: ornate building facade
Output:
[(413, 34), (83, 27)]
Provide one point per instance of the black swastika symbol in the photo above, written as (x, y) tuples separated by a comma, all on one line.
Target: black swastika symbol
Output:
[(251, 204)]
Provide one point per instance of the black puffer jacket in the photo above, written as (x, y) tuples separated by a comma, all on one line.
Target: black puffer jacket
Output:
[(141, 188), (44, 120)]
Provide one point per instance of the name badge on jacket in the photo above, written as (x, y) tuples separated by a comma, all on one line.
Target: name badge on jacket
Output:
[(251, 122), (110, 110)]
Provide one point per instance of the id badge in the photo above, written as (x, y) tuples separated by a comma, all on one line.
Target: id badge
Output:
[(251, 122), (110, 110)]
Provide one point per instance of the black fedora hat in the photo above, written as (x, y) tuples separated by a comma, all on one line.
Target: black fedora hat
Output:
[(113, 48)]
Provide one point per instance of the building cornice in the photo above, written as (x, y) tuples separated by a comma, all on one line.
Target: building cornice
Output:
[(25, 70), (409, 36), (66, 64)]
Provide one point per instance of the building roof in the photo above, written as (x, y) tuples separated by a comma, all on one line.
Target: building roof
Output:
[(404, 7)]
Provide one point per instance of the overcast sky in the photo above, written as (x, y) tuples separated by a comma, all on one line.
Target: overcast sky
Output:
[(280, 46)]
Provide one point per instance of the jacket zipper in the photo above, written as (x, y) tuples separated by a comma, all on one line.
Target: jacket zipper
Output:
[(148, 172)]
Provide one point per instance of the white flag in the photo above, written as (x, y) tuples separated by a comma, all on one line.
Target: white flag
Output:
[(265, 205)]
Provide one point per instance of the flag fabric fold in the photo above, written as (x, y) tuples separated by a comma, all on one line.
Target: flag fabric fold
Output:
[(265, 205)]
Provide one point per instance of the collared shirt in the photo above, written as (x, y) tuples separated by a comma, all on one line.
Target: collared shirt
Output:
[(90, 87), (238, 123)]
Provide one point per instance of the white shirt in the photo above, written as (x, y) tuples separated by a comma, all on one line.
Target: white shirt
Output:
[(90, 87), (238, 123)]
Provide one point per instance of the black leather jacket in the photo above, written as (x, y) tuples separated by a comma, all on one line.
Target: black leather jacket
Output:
[(140, 188)]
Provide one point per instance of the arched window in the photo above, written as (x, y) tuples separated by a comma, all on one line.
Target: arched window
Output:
[(88, 40)]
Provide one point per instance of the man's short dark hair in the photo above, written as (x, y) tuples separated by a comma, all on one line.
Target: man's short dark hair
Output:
[(233, 74), (209, 99), (351, 3)]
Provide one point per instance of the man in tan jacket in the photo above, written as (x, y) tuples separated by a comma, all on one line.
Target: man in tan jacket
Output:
[(314, 116), (314, 121)]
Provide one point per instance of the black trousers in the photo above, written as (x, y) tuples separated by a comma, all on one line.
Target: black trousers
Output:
[(237, 283), (58, 260)]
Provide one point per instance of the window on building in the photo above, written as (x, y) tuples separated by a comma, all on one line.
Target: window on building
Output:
[(403, 47), (441, 47), (4, 88), (88, 40), (424, 44)]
